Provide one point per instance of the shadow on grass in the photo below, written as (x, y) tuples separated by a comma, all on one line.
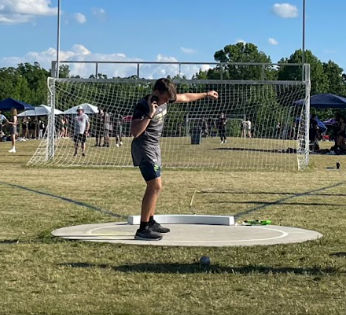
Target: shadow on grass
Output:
[(340, 254), (282, 151), (76, 202), (197, 268), (267, 193), (275, 203), (14, 241)]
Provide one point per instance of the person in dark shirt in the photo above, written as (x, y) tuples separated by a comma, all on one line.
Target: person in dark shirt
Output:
[(221, 125), (99, 122), (147, 126), (340, 134), (314, 133)]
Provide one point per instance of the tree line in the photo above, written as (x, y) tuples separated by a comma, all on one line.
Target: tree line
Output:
[(28, 82)]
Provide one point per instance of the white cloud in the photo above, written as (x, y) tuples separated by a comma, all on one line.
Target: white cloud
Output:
[(285, 10), (273, 41), (23, 11), (82, 53), (240, 41), (99, 13), (188, 50), (80, 18)]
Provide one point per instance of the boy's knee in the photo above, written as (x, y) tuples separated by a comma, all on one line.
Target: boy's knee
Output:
[(155, 186)]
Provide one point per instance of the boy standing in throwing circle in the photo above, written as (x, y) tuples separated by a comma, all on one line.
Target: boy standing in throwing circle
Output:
[(147, 125)]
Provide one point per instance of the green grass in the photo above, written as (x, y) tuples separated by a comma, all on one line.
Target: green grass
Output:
[(238, 153), (43, 275)]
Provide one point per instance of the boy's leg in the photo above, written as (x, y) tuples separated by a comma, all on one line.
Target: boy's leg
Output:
[(75, 144), (149, 201), (149, 229), (83, 141)]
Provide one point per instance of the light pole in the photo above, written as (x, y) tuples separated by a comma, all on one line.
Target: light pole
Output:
[(58, 42), (303, 52)]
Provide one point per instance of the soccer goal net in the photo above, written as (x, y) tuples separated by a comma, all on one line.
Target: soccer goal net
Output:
[(264, 130)]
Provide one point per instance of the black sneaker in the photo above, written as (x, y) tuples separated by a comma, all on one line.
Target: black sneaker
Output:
[(157, 227), (83, 154), (75, 154), (147, 235)]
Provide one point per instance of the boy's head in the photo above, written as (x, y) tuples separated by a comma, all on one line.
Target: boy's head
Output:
[(165, 90)]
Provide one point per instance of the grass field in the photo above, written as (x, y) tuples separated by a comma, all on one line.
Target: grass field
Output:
[(237, 153), (43, 275)]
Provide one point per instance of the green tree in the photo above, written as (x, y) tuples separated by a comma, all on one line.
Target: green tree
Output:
[(37, 80), (334, 75), (240, 53), (13, 85), (319, 80)]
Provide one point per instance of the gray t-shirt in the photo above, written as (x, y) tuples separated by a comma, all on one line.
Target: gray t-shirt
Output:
[(145, 148), (2, 118), (80, 122), (106, 122)]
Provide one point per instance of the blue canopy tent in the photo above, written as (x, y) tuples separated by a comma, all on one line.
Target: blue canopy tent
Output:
[(9, 103), (320, 124), (325, 100), (330, 122)]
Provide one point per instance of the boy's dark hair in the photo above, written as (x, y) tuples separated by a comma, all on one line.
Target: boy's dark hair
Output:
[(164, 85)]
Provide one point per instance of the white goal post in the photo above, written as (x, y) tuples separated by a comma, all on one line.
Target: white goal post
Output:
[(279, 128)]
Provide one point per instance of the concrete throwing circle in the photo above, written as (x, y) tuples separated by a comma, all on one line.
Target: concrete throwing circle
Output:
[(191, 235)]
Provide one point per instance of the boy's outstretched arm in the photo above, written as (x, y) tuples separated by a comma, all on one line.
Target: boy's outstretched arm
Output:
[(191, 97)]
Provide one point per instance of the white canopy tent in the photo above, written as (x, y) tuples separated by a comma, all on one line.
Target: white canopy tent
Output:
[(41, 110), (88, 109)]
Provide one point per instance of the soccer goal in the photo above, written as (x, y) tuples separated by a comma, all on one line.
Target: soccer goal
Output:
[(279, 127)]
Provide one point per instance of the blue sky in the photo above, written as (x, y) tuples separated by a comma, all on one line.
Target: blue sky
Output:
[(190, 30)]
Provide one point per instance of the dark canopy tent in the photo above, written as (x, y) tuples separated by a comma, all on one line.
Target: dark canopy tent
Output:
[(9, 103), (325, 100)]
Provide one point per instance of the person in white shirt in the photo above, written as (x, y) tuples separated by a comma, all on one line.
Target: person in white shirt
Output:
[(81, 130)]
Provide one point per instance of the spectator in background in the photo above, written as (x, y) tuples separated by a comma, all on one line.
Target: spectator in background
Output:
[(314, 134), (63, 130), (106, 128), (278, 130), (13, 129), (42, 127), (3, 120), (204, 127), (25, 127), (119, 130), (67, 131), (99, 128), (340, 134), (81, 130), (32, 128), (248, 128), (221, 125)]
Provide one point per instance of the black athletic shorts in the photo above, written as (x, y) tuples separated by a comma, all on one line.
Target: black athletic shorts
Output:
[(150, 171), (79, 138)]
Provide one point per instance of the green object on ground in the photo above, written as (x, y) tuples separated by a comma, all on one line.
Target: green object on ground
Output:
[(258, 222)]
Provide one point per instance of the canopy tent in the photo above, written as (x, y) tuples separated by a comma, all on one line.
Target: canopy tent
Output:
[(88, 109), (325, 100), (330, 122), (9, 103), (41, 110), (321, 125)]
